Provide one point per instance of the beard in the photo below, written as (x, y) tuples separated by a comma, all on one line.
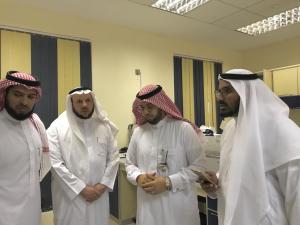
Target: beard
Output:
[(229, 112), (161, 114), (83, 117), (18, 116)]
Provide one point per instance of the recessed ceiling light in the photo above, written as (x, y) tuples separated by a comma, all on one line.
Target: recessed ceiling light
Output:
[(178, 6), (272, 23)]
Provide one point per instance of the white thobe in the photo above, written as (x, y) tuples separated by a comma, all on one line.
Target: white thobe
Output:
[(283, 186), (180, 205), (77, 164), (20, 161)]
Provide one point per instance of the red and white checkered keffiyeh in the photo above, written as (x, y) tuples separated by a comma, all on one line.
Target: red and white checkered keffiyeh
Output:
[(162, 101), (24, 79), (5, 83)]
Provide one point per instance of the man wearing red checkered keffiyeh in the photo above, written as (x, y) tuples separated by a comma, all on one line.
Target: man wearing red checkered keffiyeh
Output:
[(24, 157), (162, 151)]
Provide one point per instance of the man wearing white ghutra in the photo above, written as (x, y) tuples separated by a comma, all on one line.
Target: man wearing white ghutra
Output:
[(259, 181), (85, 161)]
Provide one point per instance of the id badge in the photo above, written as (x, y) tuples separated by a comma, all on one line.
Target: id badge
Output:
[(162, 166)]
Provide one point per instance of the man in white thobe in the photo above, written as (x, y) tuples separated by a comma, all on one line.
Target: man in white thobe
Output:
[(259, 176), (24, 152), (162, 151), (85, 161)]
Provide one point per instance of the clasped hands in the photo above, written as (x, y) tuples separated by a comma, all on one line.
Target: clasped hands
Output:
[(151, 183), (91, 193), (210, 187)]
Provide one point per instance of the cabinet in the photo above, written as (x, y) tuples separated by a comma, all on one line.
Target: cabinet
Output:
[(212, 215), (286, 81), (122, 199), (268, 78)]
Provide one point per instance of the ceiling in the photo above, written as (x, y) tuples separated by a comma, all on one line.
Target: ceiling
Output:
[(214, 22)]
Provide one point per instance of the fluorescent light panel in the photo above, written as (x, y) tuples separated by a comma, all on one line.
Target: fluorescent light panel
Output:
[(178, 6), (272, 23)]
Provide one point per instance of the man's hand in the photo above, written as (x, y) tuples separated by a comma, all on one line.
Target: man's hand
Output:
[(100, 189), (156, 186), (144, 178), (208, 187), (89, 193)]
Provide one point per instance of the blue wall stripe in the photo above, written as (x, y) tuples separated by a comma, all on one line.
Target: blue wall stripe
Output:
[(178, 83), (44, 66), (85, 64), (198, 92), (218, 70)]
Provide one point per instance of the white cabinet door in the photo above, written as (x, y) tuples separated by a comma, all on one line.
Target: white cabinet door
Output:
[(298, 80), (268, 78), (285, 81)]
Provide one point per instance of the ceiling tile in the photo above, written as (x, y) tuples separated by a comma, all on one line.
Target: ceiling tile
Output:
[(237, 20), (241, 3), (144, 2), (269, 8), (212, 11)]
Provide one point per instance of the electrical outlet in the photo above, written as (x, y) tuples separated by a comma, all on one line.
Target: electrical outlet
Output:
[(137, 72)]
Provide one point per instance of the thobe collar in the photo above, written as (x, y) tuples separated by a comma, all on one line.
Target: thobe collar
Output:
[(82, 125), (9, 117), (81, 121)]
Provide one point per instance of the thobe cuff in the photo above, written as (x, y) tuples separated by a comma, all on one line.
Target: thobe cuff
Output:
[(78, 187), (108, 182), (176, 182), (72, 191), (134, 176)]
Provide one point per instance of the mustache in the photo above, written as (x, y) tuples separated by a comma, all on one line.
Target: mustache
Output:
[(221, 103), (23, 106)]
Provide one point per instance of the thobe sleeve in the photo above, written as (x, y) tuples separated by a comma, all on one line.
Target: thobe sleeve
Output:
[(112, 163), (45, 164), (72, 185), (131, 160), (289, 181), (195, 158)]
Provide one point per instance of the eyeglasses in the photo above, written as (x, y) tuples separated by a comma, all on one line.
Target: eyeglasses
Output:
[(224, 92)]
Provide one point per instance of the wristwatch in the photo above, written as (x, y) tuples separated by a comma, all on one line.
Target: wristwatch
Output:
[(168, 183)]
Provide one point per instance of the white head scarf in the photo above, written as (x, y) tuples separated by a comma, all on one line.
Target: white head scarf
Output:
[(265, 138), (98, 114)]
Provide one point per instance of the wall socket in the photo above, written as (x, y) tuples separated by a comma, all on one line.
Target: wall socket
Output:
[(137, 72)]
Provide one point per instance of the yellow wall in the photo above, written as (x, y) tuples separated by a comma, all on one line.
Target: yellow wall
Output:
[(47, 218), (116, 52), (280, 54)]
